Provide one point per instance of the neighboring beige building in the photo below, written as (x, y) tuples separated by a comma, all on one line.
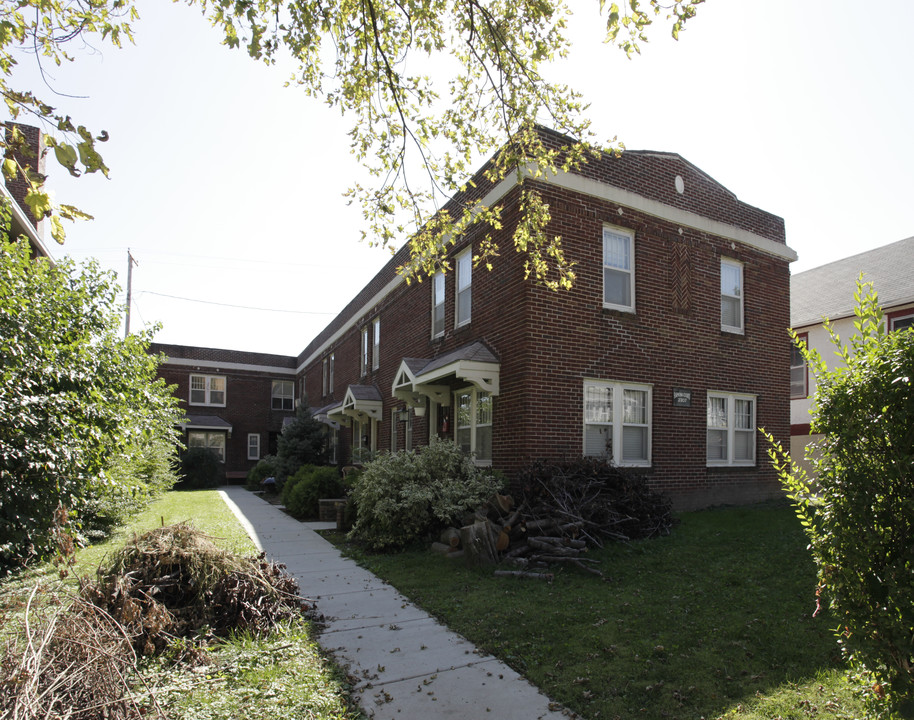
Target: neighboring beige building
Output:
[(828, 292)]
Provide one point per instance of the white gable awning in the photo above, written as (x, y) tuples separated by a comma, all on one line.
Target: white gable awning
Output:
[(417, 378), (363, 401)]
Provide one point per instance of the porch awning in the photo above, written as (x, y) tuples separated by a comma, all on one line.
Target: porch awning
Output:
[(363, 401), (331, 414), (206, 422), (473, 363)]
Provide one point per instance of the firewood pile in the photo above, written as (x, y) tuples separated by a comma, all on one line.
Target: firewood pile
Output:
[(566, 509)]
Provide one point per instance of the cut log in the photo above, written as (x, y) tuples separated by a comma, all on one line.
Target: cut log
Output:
[(501, 544), (440, 548), (548, 577), (451, 536), (478, 543)]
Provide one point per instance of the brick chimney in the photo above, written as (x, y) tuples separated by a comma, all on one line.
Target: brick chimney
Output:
[(28, 153)]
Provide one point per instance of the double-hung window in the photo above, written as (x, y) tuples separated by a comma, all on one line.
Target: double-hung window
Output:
[(283, 395), (212, 441), (330, 375), (731, 429), (473, 423), (731, 296), (438, 305), (618, 269), (617, 422), (376, 343), (207, 390), (325, 377), (253, 446), (464, 288), (798, 374), (363, 364)]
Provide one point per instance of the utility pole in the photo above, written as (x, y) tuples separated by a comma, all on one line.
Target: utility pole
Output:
[(130, 263)]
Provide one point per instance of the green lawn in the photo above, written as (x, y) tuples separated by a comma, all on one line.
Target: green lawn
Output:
[(285, 675), (714, 621)]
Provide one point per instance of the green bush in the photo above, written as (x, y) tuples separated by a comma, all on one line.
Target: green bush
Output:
[(311, 486), (285, 487), (199, 469), (260, 472), (406, 496), (858, 510)]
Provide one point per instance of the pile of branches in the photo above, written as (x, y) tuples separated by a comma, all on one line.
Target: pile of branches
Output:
[(174, 580), (69, 662), (567, 508), (76, 661)]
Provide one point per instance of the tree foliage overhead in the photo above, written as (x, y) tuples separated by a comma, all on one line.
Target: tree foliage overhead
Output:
[(428, 87), (858, 507), (87, 431)]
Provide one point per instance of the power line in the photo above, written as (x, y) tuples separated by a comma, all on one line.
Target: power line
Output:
[(240, 307)]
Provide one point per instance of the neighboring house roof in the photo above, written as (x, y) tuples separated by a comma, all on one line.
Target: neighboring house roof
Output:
[(828, 291)]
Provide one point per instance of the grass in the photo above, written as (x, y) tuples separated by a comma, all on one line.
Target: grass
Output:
[(715, 621), (283, 675)]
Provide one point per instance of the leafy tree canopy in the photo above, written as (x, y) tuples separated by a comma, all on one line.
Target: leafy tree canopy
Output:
[(427, 86), (86, 428)]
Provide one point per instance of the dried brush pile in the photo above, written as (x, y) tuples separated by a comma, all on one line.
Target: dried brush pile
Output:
[(173, 581), (77, 661)]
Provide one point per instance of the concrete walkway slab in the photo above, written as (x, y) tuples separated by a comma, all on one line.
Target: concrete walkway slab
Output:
[(405, 663)]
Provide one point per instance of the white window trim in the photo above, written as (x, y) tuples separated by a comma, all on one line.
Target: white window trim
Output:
[(618, 408), (465, 257), (474, 396), (325, 377), (363, 353), (741, 297), (254, 447), (899, 316), (438, 301), (731, 399), (274, 396), (376, 343), (207, 390), (330, 389), (631, 279)]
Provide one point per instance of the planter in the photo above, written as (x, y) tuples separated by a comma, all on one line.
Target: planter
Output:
[(328, 508)]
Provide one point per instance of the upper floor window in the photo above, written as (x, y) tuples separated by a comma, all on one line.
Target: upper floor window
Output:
[(473, 423), (798, 374), (731, 429), (325, 376), (731, 295), (207, 390), (363, 354), (330, 375), (464, 288), (283, 395), (618, 269), (617, 422), (438, 304), (376, 343)]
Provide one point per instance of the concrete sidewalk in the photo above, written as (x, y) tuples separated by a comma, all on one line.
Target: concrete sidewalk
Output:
[(408, 666)]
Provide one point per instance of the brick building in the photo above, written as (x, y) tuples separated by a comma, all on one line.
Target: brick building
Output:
[(668, 353), (236, 402), (666, 356)]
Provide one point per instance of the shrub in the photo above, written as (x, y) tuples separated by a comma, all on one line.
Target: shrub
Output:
[(405, 496), (858, 511), (199, 469), (322, 482), (260, 472), (286, 487)]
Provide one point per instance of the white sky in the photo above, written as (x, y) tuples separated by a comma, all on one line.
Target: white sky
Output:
[(228, 187)]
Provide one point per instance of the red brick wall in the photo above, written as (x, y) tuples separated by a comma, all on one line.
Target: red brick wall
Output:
[(549, 342), (248, 394)]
